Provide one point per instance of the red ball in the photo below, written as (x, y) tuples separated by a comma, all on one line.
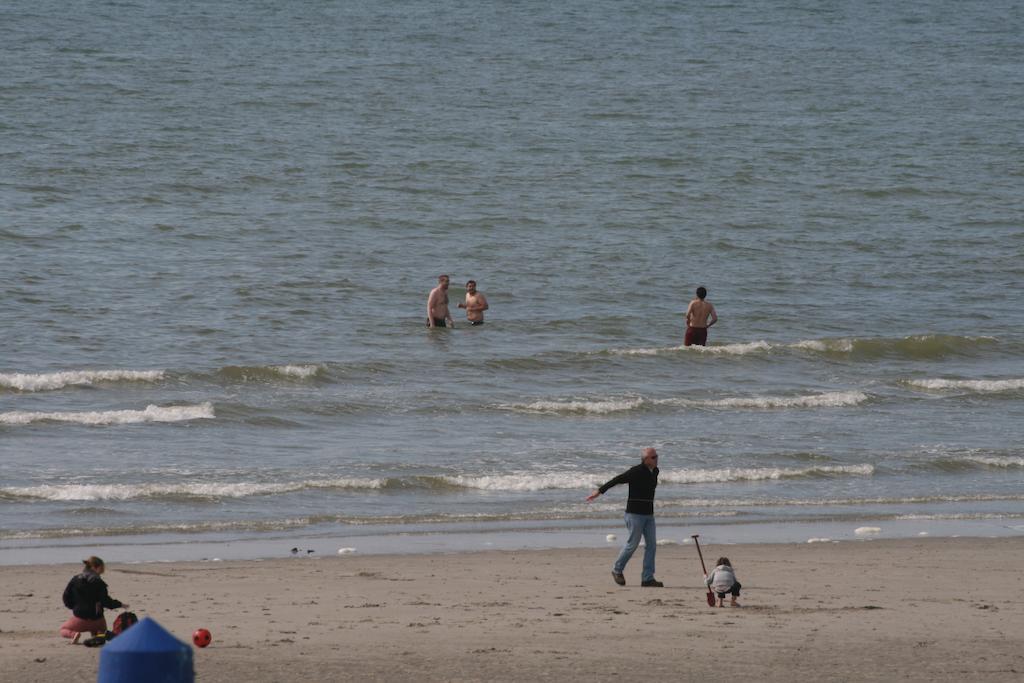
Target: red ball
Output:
[(202, 637)]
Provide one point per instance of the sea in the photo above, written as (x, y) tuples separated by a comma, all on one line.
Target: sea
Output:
[(220, 221)]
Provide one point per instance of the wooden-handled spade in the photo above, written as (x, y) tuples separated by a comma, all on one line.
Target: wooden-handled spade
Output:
[(711, 595)]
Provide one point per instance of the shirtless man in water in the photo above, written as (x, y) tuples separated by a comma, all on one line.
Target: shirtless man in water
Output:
[(699, 317), (475, 304), (437, 305)]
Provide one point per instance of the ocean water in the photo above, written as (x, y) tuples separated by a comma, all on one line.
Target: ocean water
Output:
[(219, 222)]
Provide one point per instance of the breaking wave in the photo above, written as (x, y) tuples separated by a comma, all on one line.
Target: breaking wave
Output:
[(833, 399), (730, 474), (183, 490), (516, 482), (267, 373), (740, 349), (976, 385), (598, 407), (998, 461), (917, 347), (832, 502), (957, 516), (927, 346), (576, 480), (151, 413), (524, 481), (51, 381)]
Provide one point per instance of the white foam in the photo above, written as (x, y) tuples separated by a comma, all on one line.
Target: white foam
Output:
[(922, 533), (833, 399), (729, 474), (743, 348), (610, 538), (867, 531), (840, 345), (346, 551), (198, 489), (51, 381), (732, 349), (594, 407), (978, 385), (151, 413), (647, 352), (820, 502), (740, 349), (951, 516), (819, 540), (525, 481), (997, 461), (302, 371)]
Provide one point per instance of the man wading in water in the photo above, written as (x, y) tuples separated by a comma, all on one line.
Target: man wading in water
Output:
[(697, 323), (437, 305), (475, 304)]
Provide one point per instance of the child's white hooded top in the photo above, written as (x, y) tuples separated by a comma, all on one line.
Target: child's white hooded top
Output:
[(721, 579)]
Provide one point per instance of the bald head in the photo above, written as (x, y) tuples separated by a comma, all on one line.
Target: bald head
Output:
[(650, 457)]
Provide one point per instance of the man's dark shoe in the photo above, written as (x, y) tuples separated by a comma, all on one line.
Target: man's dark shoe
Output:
[(619, 578), (652, 583)]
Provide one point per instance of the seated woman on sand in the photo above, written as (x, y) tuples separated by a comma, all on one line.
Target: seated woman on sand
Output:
[(86, 596)]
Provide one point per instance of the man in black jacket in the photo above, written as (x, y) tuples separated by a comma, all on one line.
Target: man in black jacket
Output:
[(642, 480)]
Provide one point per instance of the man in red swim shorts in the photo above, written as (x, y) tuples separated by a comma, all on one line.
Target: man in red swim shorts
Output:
[(699, 317)]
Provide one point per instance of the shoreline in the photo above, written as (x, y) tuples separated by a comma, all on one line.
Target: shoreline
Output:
[(470, 537), (914, 609)]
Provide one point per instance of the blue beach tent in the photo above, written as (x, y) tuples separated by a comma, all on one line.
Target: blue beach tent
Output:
[(146, 652)]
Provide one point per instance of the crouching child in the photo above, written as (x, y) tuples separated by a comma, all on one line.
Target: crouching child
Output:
[(722, 580)]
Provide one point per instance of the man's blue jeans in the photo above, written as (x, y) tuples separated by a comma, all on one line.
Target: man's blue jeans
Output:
[(639, 525)]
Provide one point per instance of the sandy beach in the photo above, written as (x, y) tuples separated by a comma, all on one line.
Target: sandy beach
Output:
[(924, 610)]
